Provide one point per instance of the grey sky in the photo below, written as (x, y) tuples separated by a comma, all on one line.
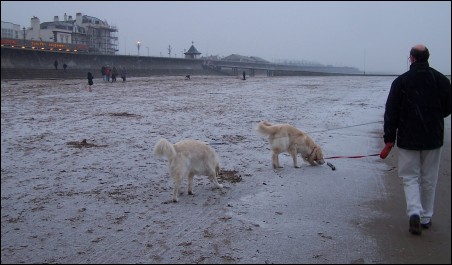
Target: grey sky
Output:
[(371, 36)]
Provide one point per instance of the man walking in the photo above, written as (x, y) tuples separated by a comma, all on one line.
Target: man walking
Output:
[(416, 106)]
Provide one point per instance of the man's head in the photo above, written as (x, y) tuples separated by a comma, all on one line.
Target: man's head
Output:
[(419, 53)]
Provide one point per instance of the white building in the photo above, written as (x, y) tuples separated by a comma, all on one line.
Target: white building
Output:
[(98, 35), (11, 30)]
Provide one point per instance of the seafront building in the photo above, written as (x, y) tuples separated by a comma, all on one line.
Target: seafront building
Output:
[(86, 43), (83, 34)]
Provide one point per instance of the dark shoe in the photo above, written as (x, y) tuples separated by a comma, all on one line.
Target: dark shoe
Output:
[(427, 225), (415, 225)]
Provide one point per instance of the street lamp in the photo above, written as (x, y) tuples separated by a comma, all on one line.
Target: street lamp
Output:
[(138, 46), (148, 50), (24, 35)]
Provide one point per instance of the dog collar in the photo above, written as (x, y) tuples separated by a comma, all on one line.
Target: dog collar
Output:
[(312, 152)]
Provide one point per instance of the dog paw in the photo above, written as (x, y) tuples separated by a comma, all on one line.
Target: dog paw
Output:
[(169, 201)]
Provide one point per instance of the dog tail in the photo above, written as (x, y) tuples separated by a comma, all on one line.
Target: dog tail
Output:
[(264, 128), (164, 148)]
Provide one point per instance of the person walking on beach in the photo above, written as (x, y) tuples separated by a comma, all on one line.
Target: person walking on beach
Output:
[(55, 64), (123, 74), (416, 106), (244, 75), (102, 71), (114, 73), (107, 73), (90, 81)]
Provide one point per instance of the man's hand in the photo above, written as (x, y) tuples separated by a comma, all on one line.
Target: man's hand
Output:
[(384, 153)]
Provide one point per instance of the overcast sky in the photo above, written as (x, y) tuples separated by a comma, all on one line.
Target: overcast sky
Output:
[(371, 36)]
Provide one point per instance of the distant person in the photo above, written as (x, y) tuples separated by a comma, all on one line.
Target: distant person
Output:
[(114, 73), (244, 75), (55, 64), (187, 77), (123, 74), (90, 81), (64, 67), (416, 106), (102, 71), (107, 73)]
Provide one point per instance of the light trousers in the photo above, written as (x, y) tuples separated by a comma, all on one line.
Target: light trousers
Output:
[(419, 172)]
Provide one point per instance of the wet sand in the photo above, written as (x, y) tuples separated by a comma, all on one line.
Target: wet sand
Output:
[(106, 200)]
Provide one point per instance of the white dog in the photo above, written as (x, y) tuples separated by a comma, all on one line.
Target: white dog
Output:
[(286, 138), (188, 158)]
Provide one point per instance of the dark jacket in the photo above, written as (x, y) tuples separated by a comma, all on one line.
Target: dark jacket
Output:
[(90, 79), (417, 104)]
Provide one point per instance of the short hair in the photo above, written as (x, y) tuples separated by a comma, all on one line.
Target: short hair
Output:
[(420, 55)]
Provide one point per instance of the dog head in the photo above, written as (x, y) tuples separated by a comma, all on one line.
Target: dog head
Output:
[(316, 157)]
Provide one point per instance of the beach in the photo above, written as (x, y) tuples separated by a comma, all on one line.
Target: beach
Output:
[(80, 183)]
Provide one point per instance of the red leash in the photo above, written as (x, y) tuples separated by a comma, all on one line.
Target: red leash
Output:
[(383, 154), (333, 157)]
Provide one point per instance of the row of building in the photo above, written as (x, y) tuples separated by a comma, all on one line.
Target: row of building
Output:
[(88, 33), (80, 34)]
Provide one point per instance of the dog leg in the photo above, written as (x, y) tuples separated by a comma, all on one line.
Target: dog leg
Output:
[(177, 181), (213, 178), (293, 153), (275, 160), (190, 183)]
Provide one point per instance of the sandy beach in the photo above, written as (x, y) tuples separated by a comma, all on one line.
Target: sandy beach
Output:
[(79, 182)]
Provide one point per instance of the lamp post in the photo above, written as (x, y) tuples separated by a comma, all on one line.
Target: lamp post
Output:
[(138, 46), (148, 50), (24, 34)]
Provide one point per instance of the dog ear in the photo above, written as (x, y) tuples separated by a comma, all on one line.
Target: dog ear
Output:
[(319, 155)]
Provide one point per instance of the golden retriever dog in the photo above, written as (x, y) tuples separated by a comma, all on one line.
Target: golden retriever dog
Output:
[(287, 138), (188, 158)]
